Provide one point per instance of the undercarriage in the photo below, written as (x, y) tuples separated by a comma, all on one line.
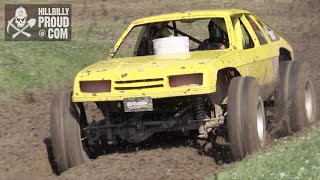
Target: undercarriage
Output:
[(238, 116), (177, 114)]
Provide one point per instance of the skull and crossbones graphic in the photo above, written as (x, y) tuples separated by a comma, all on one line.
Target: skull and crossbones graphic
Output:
[(19, 23)]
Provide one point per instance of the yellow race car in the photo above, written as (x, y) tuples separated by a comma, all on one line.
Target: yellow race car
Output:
[(211, 72)]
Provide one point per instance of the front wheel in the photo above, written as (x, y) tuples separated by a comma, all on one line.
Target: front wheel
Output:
[(234, 120), (66, 124), (253, 116), (246, 119)]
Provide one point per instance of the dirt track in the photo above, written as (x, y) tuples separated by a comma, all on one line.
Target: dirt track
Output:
[(24, 121)]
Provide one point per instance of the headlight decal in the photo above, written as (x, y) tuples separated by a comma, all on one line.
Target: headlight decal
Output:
[(186, 80), (95, 86)]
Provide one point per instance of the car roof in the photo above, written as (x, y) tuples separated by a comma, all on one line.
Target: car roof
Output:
[(189, 15)]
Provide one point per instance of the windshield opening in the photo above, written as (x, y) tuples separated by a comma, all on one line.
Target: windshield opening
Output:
[(175, 36)]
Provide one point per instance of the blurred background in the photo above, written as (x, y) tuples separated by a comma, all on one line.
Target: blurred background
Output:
[(97, 24), (31, 72)]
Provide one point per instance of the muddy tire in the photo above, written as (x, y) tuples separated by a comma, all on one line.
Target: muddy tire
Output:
[(57, 133), (65, 132), (234, 124), (252, 116), (281, 126), (302, 107)]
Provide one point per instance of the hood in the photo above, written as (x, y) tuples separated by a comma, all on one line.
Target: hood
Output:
[(144, 67)]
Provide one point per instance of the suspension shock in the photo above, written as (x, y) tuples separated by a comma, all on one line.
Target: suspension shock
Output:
[(104, 109), (110, 111), (199, 108)]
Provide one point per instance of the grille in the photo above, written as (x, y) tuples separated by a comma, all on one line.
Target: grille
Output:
[(139, 84)]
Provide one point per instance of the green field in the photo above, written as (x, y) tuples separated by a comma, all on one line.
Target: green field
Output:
[(25, 66), (29, 66), (293, 159)]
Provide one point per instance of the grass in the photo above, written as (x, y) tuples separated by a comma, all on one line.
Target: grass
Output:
[(95, 25), (295, 159), (29, 65)]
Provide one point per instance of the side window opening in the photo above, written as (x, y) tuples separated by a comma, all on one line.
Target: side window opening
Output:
[(243, 37), (256, 29), (274, 36), (248, 42), (214, 36)]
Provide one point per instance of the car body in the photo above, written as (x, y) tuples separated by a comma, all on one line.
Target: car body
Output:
[(261, 62), (159, 78)]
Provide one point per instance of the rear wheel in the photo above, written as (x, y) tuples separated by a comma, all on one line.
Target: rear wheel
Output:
[(66, 122), (296, 98), (302, 107), (281, 125)]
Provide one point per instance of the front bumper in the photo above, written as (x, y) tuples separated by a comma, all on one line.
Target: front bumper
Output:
[(154, 93), (148, 84)]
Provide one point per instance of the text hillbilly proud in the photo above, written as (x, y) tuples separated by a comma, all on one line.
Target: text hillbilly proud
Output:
[(56, 20)]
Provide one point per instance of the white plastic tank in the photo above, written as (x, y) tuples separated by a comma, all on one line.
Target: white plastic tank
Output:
[(171, 45)]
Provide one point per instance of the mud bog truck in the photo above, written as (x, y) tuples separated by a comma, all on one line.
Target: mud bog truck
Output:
[(212, 72)]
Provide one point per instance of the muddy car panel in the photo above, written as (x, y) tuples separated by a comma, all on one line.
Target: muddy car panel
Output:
[(144, 72)]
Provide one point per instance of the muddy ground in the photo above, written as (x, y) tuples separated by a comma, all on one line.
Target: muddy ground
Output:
[(24, 120)]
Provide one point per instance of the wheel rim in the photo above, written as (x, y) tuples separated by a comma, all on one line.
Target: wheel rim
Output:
[(84, 148), (260, 121), (308, 102), (82, 137)]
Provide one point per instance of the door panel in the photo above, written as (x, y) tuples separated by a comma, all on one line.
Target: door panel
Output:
[(261, 53), (242, 42)]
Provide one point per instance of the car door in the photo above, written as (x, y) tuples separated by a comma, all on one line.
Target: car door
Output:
[(254, 50), (273, 37), (265, 50), (243, 43)]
